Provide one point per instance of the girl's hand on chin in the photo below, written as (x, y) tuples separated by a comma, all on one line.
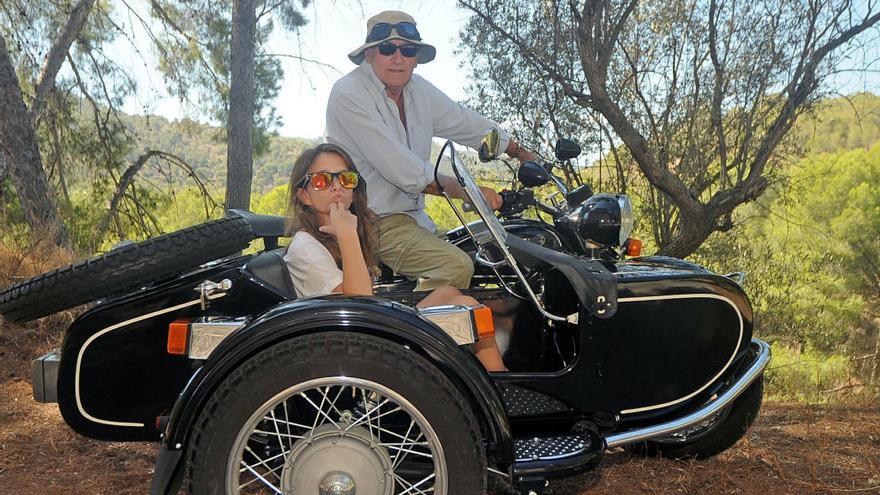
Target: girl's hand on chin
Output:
[(342, 221)]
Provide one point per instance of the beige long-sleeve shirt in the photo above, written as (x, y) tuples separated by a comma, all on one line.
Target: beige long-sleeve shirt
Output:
[(393, 159)]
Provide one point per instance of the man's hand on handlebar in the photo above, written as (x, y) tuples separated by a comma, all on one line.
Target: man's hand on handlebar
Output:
[(514, 150), (492, 197)]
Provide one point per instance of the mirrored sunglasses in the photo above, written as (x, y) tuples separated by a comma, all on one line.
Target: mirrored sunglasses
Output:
[(322, 180), (388, 48), (404, 29)]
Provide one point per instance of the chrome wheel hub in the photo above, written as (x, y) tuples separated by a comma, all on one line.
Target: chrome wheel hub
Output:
[(337, 436), (337, 461), (337, 484)]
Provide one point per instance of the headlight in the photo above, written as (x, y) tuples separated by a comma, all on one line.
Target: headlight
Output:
[(606, 220), (626, 218)]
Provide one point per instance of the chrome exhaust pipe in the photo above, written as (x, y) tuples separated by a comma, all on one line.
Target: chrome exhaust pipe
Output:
[(701, 414)]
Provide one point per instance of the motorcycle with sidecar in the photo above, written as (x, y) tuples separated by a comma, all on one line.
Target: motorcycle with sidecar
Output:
[(249, 389)]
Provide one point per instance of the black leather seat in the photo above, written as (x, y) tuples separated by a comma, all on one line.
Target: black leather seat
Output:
[(271, 268)]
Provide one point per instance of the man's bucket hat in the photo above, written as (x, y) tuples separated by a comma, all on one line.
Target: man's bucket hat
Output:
[(393, 25)]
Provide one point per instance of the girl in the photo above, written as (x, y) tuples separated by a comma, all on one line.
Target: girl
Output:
[(332, 245)]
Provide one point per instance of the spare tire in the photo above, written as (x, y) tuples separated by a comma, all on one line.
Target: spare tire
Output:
[(123, 269)]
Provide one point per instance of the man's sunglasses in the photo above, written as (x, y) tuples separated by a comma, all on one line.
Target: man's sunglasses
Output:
[(322, 180), (382, 30), (388, 48)]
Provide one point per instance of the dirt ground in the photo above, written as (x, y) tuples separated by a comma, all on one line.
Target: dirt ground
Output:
[(791, 449)]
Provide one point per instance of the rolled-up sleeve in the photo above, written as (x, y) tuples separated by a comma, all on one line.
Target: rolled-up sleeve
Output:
[(454, 121), (354, 124)]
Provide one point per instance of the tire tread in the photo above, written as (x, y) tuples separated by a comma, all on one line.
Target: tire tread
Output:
[(346, 345), (123, 269)]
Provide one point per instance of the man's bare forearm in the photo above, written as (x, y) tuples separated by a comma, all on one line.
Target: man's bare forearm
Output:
[(450, 186)]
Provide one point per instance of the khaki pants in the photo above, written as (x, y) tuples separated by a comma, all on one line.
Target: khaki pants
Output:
[(412, 251)]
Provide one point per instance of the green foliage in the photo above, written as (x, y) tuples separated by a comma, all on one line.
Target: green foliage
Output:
[(197, 145), (805, 377), (274, 202), (195, 58), (811, 248), (843, 123)]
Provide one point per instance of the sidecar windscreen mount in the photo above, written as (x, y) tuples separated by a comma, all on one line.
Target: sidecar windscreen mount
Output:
[(596, 287)]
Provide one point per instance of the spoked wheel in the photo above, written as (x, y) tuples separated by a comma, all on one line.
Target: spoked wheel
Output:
[(343, 435), (337, 414)]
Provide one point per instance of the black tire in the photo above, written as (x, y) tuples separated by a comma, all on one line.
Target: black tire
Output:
[(123, 269), (290, 367), (732, 425)]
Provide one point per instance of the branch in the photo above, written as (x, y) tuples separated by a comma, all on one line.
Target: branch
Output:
[(301, 59), (129, 175), (755, 183), (56, 55), (716, 92), (579, 97), (609, 43)]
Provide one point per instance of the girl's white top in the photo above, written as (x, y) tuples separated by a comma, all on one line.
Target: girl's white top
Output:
[(311, 266)]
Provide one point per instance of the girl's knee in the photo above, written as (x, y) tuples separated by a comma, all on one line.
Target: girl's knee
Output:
[(463, 300), (446, 294)]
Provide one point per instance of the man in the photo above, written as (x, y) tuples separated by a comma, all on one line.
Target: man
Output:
[(385, 117)]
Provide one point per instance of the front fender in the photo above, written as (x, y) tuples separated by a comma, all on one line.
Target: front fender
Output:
[(367, 315)]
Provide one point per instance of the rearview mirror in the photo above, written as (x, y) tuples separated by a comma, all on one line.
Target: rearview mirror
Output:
[(531, 174), (489, 146), (566, 149)]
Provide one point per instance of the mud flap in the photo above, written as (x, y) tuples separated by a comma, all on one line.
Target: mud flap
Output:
[(168, 471)]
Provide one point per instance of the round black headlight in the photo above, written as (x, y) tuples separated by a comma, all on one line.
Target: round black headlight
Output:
[(605, 220)]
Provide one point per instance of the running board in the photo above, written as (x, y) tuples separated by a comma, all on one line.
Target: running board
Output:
[(541, 458), (523, 402), (663, 429)]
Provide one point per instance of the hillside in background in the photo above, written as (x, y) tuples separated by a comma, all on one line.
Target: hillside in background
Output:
[(842, 123), (203, 147)]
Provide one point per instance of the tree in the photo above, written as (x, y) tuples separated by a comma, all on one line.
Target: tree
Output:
[(18, 138), (208, 49), (240, 147), (701, 94)]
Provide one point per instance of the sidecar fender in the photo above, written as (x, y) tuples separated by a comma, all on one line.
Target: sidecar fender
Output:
[(366, 315)]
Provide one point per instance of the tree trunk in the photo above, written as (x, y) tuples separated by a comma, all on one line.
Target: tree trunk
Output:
[(690, 233), (240, 148), (18, 141), (57, 53)]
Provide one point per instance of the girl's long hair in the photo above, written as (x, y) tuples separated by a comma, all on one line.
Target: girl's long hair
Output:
[(301, 217)]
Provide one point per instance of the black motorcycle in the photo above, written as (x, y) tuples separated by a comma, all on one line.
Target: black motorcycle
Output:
[(252, 390)]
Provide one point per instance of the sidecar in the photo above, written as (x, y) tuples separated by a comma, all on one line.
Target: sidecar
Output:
[(249, 389)]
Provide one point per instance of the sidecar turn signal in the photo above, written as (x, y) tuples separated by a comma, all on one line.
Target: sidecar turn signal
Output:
[(483, 321), (178, 334), (632, 247)]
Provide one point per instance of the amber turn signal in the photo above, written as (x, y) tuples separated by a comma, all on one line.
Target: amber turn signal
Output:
[(483, 321), (178, 334), (633, 247)]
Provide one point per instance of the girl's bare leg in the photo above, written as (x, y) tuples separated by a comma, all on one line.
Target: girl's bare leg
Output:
[(486, 349)]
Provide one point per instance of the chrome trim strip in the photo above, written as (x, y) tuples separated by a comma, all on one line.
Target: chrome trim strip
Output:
[(455, 320), (701, 414), (107, 330), (723, 369)]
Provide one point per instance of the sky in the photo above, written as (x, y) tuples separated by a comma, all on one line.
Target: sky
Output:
[(335, 28)]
